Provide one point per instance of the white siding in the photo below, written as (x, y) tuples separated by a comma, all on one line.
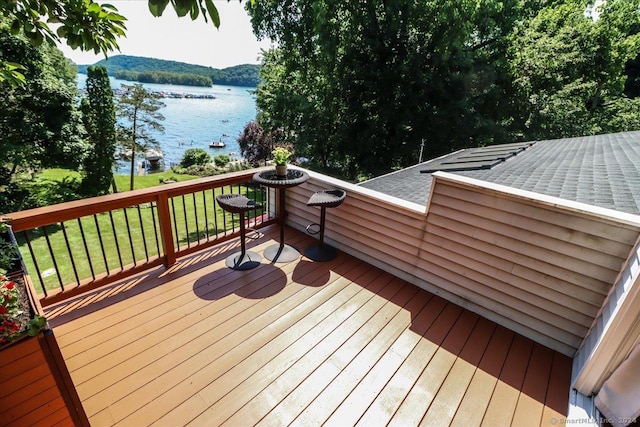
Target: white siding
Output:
[(537, 265)]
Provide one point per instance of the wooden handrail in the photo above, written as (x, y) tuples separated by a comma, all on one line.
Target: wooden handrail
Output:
[(38, 217), (162, 196)]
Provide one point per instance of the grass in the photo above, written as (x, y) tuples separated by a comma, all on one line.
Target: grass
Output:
[(103, 243), (146, 181)]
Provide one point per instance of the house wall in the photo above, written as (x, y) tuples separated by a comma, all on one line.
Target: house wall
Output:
[(615, 331), (538, 265)]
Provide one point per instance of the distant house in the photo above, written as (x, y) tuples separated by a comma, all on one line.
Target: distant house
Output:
[(543, 237)]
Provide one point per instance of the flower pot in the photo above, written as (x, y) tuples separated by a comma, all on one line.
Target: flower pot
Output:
[(281, 170)]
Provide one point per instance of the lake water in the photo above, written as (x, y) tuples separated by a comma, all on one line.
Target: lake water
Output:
[(195, 123)]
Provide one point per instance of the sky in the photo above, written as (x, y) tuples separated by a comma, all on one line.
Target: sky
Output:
[(181, 39)]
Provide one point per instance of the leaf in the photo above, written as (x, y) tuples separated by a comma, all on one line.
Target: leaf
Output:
[(213, 13), (94, 7), (182, 7), (195, 11), (37, 324), (157, 7)]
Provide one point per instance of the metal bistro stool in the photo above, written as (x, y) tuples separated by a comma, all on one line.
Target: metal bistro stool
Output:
[(237, 203), (325, 199)]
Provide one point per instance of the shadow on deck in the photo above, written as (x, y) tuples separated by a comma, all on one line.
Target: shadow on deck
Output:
[(302, 343)]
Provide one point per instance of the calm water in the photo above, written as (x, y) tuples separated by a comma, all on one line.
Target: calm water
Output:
[(197, 122)]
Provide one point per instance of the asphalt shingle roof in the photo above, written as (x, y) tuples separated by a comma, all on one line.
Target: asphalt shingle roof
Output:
[(600, 170)]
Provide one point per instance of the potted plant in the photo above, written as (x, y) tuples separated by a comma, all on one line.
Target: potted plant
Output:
[(18, 318), (280, 157)]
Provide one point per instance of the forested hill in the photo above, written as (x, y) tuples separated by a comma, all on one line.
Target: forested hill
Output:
[(153, 70)]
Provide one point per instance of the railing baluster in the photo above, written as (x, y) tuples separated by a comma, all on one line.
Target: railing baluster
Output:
[(35, 262), (195, 212), (104, 253), (126, 220), (206, 216), (83, 265), (53, 257), (215, 210), (86, 249), (224, 215), (73, 263), (175, 224), (155, 228), (144, 238), (115, 238), (186, 223)]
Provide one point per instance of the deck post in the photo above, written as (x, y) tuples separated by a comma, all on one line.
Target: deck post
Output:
[(164, 218)]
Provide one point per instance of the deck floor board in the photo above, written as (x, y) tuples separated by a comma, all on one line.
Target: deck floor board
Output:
[(301, 343)]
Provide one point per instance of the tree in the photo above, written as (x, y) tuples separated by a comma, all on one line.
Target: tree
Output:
[(38, 121), (83, 24), (359, 85), (99, 117), (569, 70), (138, 111), (195, 156), (256, 144)]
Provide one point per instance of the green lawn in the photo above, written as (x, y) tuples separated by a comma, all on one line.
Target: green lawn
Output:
[(119, 238)]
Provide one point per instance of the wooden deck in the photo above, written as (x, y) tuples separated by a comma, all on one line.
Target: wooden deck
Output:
[(304, 343)]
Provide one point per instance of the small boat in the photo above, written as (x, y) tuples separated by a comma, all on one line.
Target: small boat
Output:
[(217, 144)]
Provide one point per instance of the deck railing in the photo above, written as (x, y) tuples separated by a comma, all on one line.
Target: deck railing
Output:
[(71, 248)]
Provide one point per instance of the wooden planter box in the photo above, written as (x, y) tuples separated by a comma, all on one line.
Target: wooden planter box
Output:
[(35, 385)]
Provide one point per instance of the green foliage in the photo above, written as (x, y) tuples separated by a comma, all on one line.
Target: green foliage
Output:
[(99, 115), (357, 86), (36, 325), (195, 156), (255, 144), (569, 70), (9, 251), (83, 24), (136, 67), (43, 192), (280, 155), (191, 7), (164, 78), (221, 160), (39, 123), (210, 170), (138, 113)]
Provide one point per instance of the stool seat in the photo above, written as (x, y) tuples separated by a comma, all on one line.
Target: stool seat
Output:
[(327, 198), (237, 203), (323, 199)]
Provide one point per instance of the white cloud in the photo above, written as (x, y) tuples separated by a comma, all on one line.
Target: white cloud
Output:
[(184, 40)]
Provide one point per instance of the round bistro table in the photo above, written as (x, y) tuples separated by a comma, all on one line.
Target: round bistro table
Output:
[(281, 252)]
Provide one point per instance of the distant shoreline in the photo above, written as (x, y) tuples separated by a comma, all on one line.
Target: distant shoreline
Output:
[(159, 71), (177, 84)]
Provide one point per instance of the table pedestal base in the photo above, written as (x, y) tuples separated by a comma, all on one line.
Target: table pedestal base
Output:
[(249, 261), (321, 253), (281, 253)]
